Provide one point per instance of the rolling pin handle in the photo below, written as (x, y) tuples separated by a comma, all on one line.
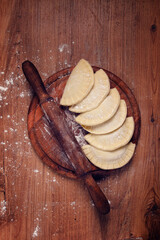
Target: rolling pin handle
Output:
[(97, 195), (35, 80)]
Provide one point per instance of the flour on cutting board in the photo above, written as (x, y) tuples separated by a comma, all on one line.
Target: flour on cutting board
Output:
[(75, 127)]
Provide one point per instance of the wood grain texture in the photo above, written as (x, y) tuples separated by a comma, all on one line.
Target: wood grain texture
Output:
[(120, 36)]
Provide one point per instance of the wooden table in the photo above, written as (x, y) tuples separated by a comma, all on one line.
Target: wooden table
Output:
[(120, 36)]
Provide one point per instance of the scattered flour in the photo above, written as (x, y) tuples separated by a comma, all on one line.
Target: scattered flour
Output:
[(9, 82), (35, 233), (45, 207), (54, 179), (66, 63), (44, 74), (3, 88), (73, 204), (75, 128), (64, 46), (3, 207), (22, 95)]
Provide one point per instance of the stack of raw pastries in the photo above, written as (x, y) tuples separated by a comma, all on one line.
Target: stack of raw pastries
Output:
[(102, 113)]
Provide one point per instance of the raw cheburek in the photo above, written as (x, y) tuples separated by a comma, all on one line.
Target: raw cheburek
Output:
[(104, 115)]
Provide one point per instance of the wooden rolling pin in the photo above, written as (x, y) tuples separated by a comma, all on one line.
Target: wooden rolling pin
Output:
[(57, 120)]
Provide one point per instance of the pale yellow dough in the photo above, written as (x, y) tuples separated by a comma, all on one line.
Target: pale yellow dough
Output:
[(112, 124), (109, 160), (97, 94), (103, 112), (79, 84), (115, 139)]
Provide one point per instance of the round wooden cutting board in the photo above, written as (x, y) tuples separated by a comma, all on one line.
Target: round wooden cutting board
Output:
[(41, 135)]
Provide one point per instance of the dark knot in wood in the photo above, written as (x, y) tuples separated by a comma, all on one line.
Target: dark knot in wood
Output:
[(152, 119), (152, 217), (153, 28)]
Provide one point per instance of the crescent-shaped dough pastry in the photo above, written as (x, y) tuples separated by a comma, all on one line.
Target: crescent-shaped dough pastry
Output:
[(109, 160), (97, 94), (103, 112), (79, 84), (112, 124), (113, 140)]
